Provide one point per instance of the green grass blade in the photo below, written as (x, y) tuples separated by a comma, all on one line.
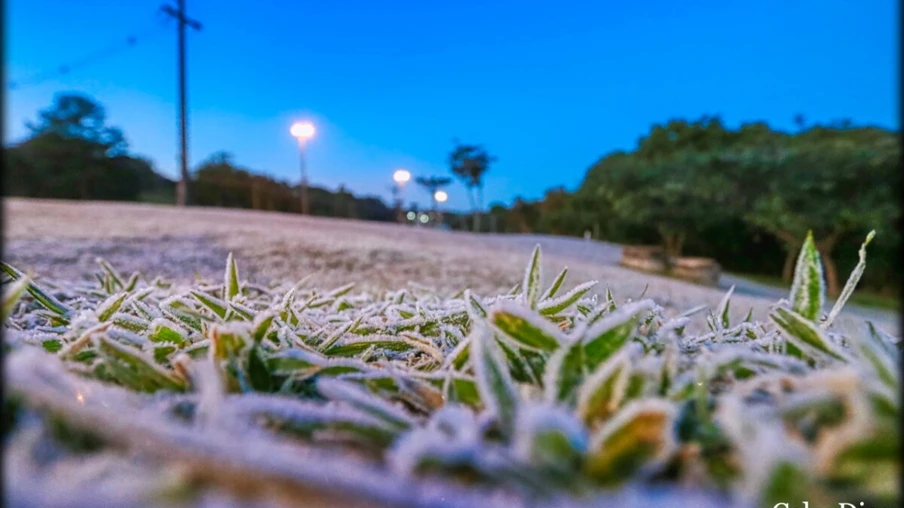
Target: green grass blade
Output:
[(531, 282), (612, 332), (231, 287), (851, 283), (109, 307), (564, 373), (805, 335), (526, 328), (808, 289), (49, 302), (602, 393), (151, 377), (722, 310), (497, 390), (555, 306), (640, 435), (213, 303), (366, 402), (12, 294), (556, 284)]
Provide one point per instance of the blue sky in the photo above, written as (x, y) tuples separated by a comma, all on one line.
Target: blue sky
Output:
[(547, 87)]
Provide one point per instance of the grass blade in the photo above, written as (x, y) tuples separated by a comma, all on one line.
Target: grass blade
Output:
[(231, 280), (640, 436), (531, 282), (612, 332), (366, 402), (556, 284), (217, 306), (12, 295), (497, 390), (604, 390), (151, 377), (49, 302), (851, 283), (564, 373), (808, 288), (553, 307), (526, 328), (109, 307), (722, 310), (805, 335)]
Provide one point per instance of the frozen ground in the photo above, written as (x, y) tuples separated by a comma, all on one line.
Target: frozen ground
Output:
[(61, 240)]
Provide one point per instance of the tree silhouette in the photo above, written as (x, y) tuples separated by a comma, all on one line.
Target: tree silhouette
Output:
[(76, 116), (469, 163)]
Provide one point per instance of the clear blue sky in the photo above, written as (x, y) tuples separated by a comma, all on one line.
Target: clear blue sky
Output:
[(548, 87)]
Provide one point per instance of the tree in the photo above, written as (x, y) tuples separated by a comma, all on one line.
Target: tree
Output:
[(744, 196), (75, 116), (72, 154), (830, 181), (706, 134), (557, 214), (469, 163), (218, 181), (433, 184), (524, 216)]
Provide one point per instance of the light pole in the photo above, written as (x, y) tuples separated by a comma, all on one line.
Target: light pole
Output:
[(440, 197), (303, 131), (401, 177)]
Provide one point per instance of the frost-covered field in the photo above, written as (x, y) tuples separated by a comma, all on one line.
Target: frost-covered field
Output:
[(162, 381), (61, 240)]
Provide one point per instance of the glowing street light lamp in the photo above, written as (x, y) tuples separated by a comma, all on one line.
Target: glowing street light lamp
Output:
[(440, 196), (303, 131), (401, 176)]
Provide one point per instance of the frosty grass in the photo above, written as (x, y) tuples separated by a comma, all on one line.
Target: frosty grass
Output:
[(545, 396)]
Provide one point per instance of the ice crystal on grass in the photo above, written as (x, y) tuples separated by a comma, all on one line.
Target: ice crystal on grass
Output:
[(536, 395)]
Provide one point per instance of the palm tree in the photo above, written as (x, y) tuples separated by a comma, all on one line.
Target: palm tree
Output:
[(469, 163)]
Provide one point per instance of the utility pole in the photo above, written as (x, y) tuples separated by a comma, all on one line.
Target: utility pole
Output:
[(305, 201), (183, 20)]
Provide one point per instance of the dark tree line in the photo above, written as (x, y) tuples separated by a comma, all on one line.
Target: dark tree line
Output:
[(218, 181), (745, 196), (72, 154)]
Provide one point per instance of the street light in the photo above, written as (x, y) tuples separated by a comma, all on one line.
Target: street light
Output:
[(303, 131), (439, 197), (401, 177)]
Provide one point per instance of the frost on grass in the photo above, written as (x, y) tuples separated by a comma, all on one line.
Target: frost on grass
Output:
[(547, 394)]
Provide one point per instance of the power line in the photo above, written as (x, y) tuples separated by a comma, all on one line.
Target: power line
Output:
[(91, 59)]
